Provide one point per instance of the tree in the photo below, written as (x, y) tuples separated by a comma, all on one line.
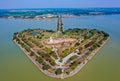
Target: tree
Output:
[(74, 64), (68, 71), (105, 34), (39, 59), (58, 71), (16, 33), (27, 49), (46, 67), (52, 62), (80, 48), (32, 53), (77, 44)]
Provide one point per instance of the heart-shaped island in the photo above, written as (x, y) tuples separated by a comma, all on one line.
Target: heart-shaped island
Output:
[(61, 53)]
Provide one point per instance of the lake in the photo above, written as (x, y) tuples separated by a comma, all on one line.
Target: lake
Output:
[(104, 66)]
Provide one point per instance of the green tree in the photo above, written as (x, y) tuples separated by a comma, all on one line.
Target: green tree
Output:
[(46, 67), (32, 53), (58, 71), (39, 59), (74, 64)]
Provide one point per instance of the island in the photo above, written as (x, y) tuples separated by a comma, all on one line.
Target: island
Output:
[(60, 53)]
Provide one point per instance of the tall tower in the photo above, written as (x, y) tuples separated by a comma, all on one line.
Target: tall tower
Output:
[(60, 24)]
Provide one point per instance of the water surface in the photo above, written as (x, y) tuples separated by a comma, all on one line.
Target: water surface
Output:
[(105, 66)]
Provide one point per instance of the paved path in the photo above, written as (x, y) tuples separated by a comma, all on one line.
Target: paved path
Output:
[(65, 59)]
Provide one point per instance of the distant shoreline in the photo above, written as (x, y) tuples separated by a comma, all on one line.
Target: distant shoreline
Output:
[(44, 13), (34, 18)]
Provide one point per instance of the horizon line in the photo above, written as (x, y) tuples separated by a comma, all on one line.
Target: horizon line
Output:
[(58, 8)]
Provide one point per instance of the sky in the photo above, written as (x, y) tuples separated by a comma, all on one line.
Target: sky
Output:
[(12, 4)]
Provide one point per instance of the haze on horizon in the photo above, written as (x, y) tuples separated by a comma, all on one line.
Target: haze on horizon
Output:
[(13, 4)]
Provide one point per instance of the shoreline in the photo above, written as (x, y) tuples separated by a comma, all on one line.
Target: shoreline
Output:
[(36, 63), (62, 76), (87, 60), (54, 17)]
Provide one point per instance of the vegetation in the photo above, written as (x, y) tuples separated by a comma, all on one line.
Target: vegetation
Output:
[(65, 53), (32, 53), (35, 42), (74, 65), (46, 67), (105, 34), (58, 71), (39, 59)]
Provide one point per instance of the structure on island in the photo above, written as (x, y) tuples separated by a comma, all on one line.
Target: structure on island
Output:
[(57, 55), (60, 30)]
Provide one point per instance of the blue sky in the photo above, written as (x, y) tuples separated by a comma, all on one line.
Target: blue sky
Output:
[(58, 3)]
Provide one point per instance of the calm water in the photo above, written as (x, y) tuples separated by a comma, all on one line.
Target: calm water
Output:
[(105, 66)]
